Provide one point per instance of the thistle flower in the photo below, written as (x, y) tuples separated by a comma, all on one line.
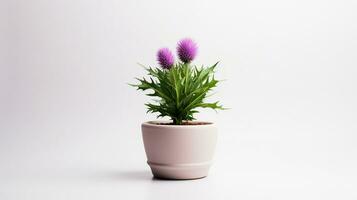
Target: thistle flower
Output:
[(180, 88), (186, 50), (165, 58)]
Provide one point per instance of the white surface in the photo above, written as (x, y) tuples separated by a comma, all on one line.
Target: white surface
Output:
[(245, 167), (70, 126)]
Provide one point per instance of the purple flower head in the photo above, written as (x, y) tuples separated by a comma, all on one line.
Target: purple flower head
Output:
[(186, 50), (165, 58)]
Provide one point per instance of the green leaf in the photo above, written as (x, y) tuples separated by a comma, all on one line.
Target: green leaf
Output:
[(179, 90)]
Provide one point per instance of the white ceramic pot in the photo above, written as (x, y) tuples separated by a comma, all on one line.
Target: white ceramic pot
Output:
[(179, 151)]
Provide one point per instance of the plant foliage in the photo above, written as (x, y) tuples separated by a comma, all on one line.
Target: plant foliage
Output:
[(180, 90)]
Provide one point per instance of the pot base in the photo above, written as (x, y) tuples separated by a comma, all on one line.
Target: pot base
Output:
[(179, 171)]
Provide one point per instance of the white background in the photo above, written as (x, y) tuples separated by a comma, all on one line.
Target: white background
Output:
[(70, 125)]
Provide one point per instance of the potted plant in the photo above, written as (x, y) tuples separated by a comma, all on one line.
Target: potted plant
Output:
[(180, 148)]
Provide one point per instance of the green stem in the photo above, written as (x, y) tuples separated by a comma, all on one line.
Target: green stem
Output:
[(177, 121)]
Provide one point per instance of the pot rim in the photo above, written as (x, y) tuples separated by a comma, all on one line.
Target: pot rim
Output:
[(153, 124)]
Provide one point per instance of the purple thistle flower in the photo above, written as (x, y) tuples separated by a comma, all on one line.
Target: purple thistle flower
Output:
[(165, 58), (186, 50)]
